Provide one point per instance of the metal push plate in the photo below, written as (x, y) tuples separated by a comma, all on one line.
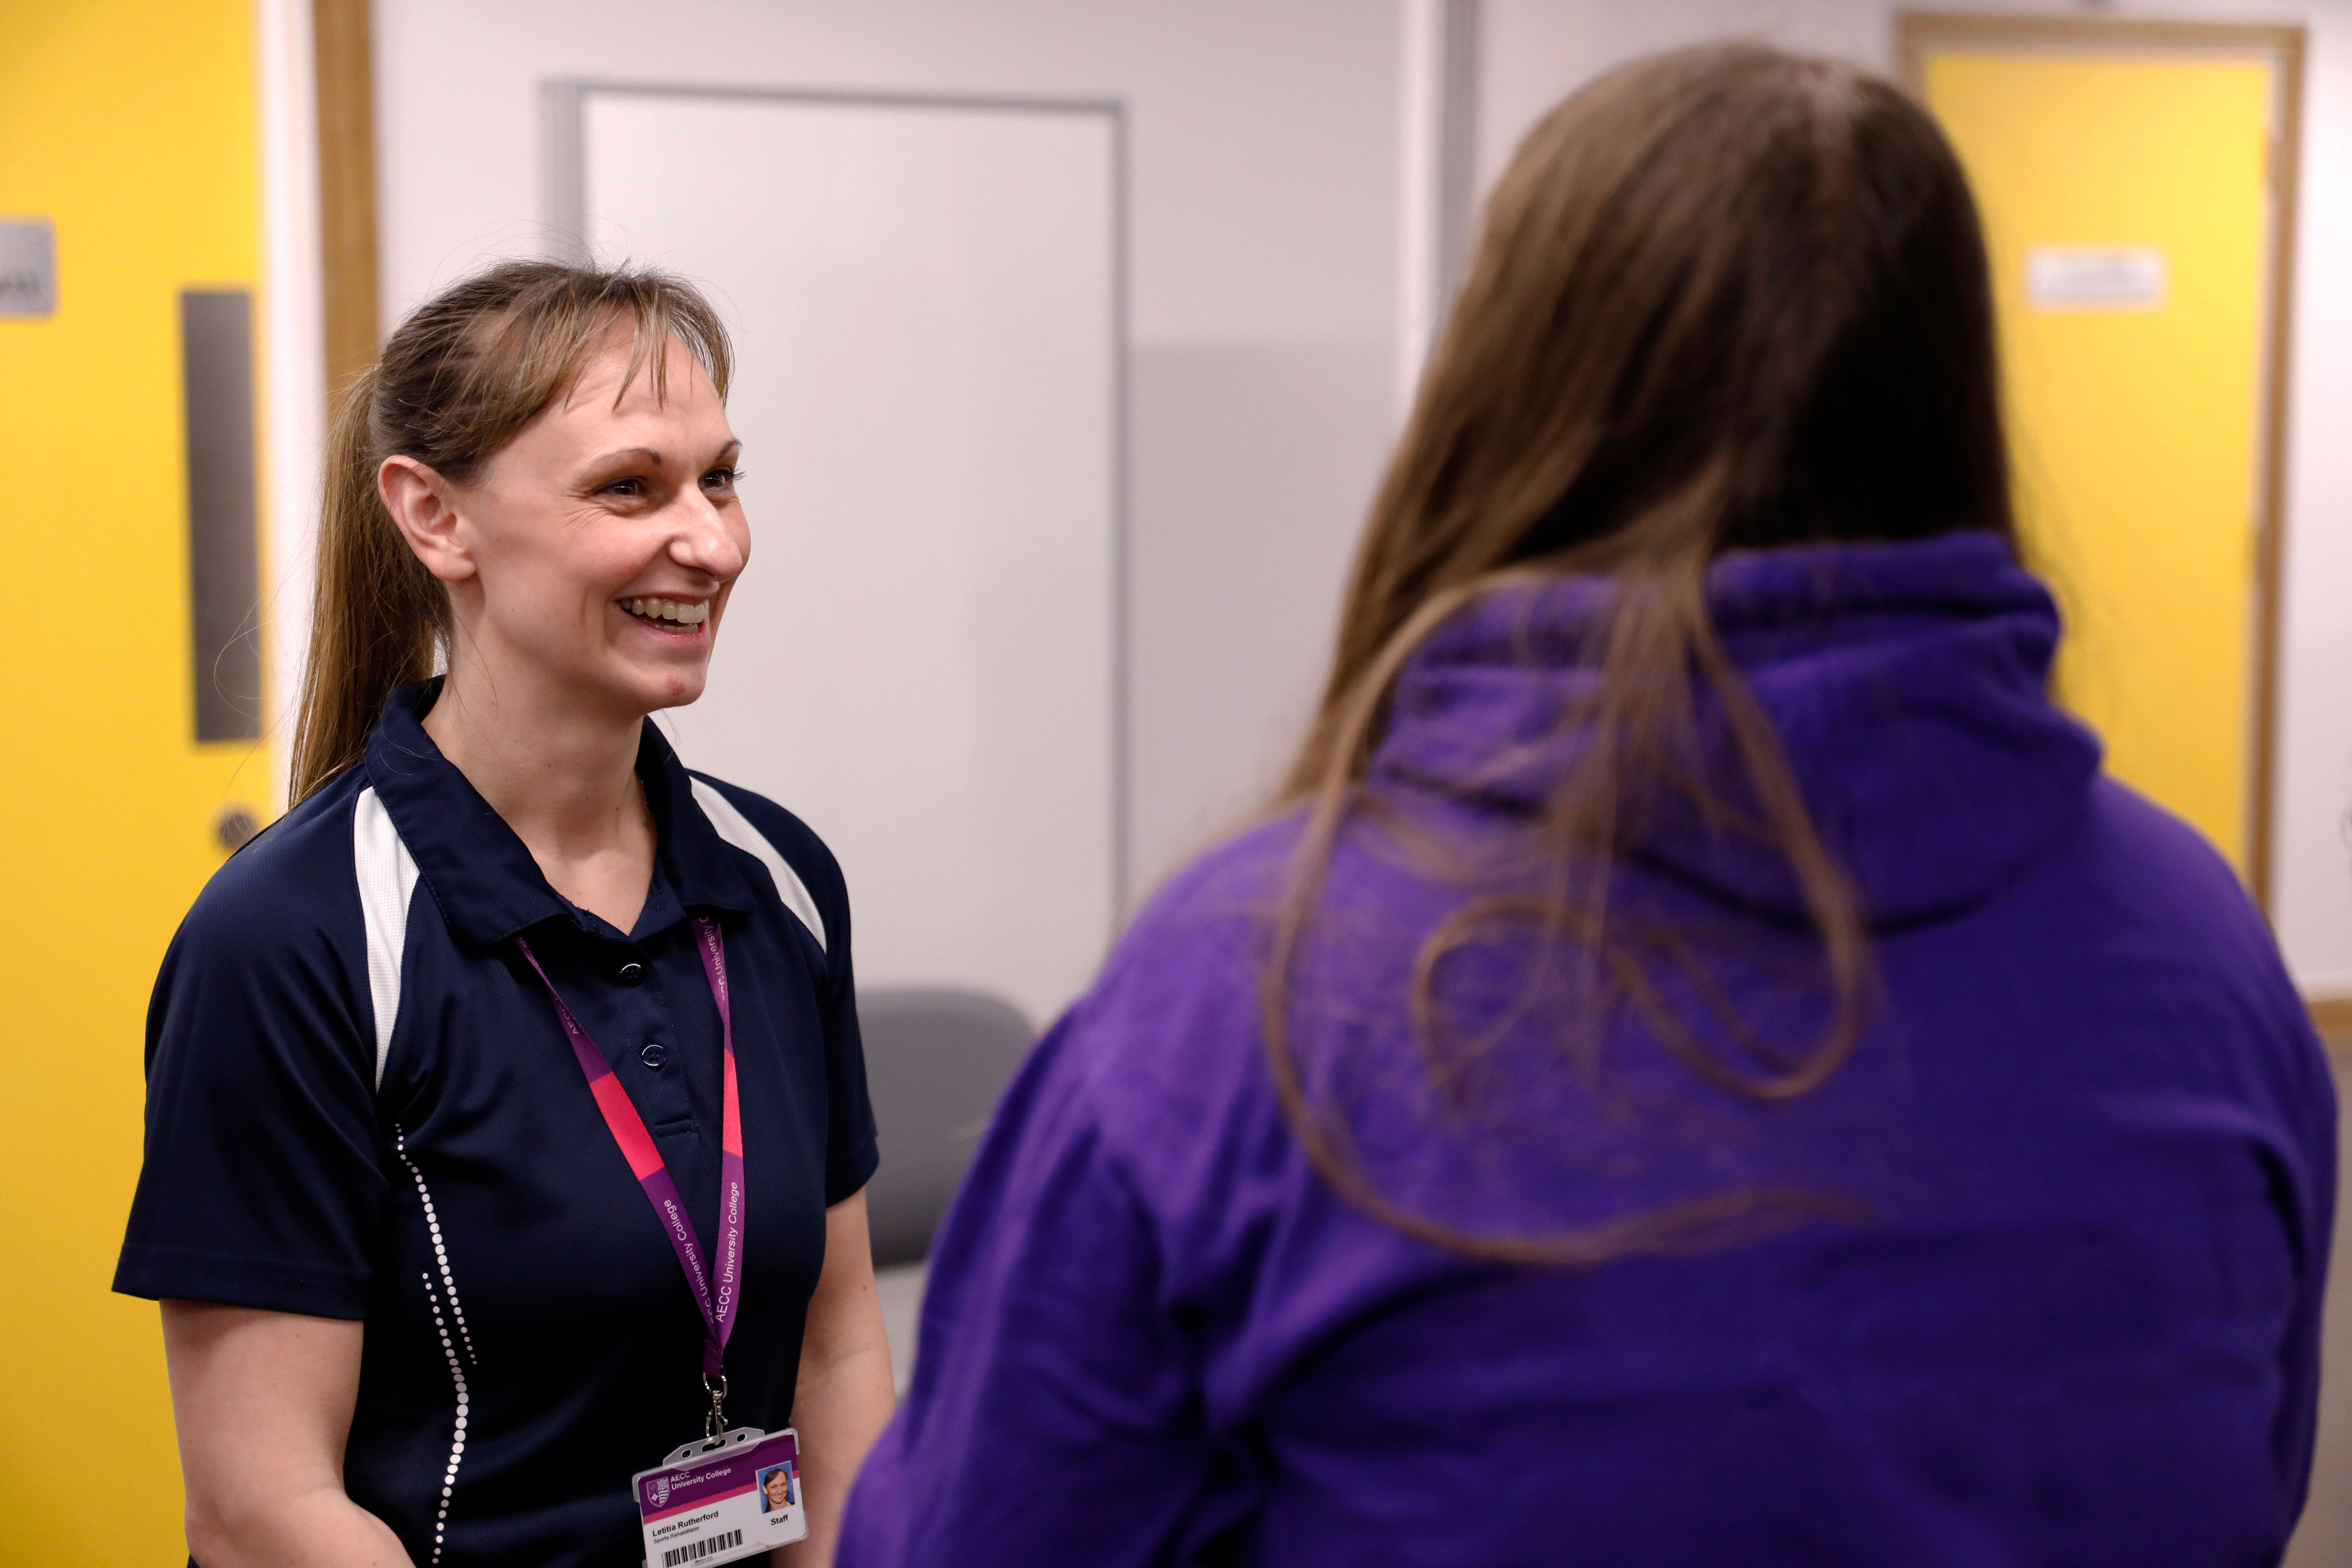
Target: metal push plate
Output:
[(29, 269)]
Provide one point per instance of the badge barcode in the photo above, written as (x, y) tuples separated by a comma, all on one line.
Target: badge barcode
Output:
[(696, 1550)]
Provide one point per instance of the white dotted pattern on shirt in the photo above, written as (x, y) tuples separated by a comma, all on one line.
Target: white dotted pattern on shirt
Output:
[(457, 1435), (449, 1347), (433, 1229)]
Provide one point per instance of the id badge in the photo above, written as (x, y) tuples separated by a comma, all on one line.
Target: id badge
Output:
[(703, 1507)]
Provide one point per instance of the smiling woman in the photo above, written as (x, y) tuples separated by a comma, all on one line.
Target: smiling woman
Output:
[(582, 564), (416, 1306)]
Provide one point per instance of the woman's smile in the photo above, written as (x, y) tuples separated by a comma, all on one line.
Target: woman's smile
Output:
[(685, 618)]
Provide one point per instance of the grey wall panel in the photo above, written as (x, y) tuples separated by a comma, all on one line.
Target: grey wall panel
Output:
[(1252, 466), (223, 565), (1458, 150)]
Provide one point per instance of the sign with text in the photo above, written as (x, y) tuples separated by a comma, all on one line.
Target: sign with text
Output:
[(2095, 277)]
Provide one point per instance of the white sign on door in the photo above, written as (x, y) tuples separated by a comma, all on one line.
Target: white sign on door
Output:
[(2095, 277)]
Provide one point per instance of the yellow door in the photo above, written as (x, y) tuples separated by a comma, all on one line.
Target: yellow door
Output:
[(2126, 196), (127, 132)]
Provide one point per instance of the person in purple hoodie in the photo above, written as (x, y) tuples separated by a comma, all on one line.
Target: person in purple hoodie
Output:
[(1700, 1066)]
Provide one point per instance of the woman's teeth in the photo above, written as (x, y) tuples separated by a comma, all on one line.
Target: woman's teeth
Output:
[(683, 612)]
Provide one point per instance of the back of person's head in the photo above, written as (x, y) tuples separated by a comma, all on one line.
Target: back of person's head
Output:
[(1725, 299), (455, 384)]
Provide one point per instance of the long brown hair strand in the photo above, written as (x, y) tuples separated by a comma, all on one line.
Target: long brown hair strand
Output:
[(1725, 299)]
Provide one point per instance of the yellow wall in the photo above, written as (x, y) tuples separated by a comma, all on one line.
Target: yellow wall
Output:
[(2137, 432), (131, 125)]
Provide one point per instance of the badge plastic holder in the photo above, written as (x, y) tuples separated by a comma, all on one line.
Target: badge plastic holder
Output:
[(714, 1501)]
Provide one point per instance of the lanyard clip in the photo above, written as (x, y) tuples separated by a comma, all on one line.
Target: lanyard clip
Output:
[(715, 1385)]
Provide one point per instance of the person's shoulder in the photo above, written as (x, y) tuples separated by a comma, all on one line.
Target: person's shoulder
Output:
[(1219, 915), (2157, 841), (2180, 888), (277, 934), (291, 886), (2195, 935), (1169, 1033), (2203, 963), (794, 841), (1212, 913), (1169, 1058)]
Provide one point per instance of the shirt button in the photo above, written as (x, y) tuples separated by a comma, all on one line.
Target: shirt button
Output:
[(632, 973), (654, 1055)]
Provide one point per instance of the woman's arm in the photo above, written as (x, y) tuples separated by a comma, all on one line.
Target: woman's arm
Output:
[(263, 1404), (844, 1395)]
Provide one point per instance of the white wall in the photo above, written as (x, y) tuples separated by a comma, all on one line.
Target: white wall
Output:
[(1267, 157), (921, 657), (1537, 51), (293, 355), (1264, 249)]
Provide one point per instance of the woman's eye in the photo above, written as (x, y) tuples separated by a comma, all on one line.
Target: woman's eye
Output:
[(629, 487), (722, 478)]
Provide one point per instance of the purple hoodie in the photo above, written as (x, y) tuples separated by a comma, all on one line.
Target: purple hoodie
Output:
[(2085, 1151)]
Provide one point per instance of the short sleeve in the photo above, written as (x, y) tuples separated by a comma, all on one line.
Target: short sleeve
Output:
[(852, 1153), (1053, 1389), (263, 1183)]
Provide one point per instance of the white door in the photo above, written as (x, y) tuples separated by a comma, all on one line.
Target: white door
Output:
[(922, 660)]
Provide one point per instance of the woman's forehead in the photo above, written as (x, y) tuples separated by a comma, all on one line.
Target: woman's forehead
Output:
[(617, 378), (607, 408)]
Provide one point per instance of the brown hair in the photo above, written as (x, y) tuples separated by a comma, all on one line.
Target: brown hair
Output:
[(1724, 298), (462, 377)]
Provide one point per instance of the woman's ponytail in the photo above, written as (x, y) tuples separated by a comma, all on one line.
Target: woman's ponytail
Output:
[(376, 615), (468, 370)]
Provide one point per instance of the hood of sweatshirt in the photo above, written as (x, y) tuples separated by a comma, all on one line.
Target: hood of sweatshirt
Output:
[(1907, 684)]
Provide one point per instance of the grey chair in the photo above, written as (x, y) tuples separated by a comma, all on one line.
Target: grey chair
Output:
[(936, 1061)]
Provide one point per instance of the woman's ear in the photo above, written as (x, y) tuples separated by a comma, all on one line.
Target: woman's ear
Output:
[(423, 510)]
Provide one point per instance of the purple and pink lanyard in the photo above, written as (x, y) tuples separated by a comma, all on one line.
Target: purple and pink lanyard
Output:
[(716, 1301)]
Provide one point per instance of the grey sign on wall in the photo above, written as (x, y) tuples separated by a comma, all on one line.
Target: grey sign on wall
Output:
[(29, 269)]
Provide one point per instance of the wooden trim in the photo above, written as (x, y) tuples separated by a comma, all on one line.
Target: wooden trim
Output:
[(2330, 1014), (2269, 537), (344, 60), (1917, 33)]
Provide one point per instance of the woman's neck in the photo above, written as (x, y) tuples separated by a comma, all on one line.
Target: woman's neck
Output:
[(562, 776)]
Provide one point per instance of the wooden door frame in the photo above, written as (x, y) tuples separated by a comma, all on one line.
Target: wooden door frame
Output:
[(343, 61), (1919, 31)]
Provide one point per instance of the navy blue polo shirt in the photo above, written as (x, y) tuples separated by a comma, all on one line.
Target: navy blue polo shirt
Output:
[(361, 1105)]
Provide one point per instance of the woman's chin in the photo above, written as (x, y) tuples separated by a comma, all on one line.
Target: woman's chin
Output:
[(669, 685), (678, 690)]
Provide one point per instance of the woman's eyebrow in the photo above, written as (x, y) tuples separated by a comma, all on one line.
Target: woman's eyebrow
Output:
[(618, 453), (648, 454)]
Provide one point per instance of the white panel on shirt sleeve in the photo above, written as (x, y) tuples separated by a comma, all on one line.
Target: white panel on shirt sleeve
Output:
[(387, 879), (737, 829)]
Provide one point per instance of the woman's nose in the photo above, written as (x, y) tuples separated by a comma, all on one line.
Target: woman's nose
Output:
[(705, 542)]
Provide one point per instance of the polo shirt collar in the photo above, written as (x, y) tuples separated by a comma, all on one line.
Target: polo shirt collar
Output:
[(483, 879)]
